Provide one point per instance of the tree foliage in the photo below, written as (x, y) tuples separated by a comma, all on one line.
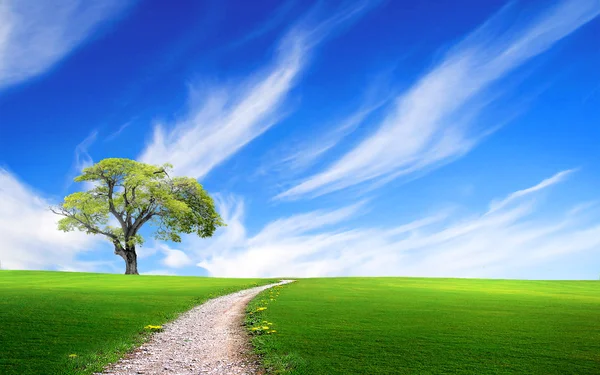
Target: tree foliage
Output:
[(135, 193)]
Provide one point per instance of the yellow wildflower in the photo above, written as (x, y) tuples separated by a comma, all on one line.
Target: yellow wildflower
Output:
[(153, 328)]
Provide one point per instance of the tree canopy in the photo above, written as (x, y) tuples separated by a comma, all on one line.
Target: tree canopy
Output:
[(135, 193)]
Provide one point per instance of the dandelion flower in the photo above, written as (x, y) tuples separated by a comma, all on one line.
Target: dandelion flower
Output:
[(72, 355), (153, 328)]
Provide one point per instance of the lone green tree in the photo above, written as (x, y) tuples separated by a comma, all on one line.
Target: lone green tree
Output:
[(134, 194)]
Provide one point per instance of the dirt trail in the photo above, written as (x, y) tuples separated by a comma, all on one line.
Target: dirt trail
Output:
[(209, 339)]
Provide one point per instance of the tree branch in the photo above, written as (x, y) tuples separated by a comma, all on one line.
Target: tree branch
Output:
[(142, 222), (145, 215), (127, 210), (111, 207), (162, 170), (87, 225)]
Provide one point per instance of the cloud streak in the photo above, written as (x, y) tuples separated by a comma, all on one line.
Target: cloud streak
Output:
[(561, 176), (432, 123), (35, 35), (488, 244), (82, 156), (231, 117), (118, 132), (310, 150)]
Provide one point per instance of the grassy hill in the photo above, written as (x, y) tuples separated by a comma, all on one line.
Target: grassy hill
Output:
[(324, 326), (47, 316), (431, 326)]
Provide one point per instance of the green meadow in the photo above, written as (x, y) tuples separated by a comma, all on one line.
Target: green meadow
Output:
[(315, 326), (47, 316), (429, 326)]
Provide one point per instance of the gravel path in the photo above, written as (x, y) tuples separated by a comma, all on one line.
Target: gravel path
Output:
[(209, 339)]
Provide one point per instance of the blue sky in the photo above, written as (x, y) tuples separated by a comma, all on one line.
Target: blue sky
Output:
[(338, 138)]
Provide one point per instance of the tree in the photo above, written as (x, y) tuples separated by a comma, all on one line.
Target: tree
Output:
[(136, 193)]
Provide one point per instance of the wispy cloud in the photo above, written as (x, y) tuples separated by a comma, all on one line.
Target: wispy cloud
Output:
[(81, 160), (433, 122), (118, 132), (35, 35), (82, 156), (488, 244), (290, 160), (272, 20), (232, 116), (542, 185), (30, 239)]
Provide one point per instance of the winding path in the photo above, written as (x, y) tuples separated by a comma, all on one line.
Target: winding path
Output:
[(208, 339)]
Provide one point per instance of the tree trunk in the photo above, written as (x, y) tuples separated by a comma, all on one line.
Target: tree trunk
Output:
[(129, 256), (131, 262)]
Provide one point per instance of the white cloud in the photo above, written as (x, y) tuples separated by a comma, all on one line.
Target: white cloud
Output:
[(30, 238), (231, 116), (488, 244), (145, 251), (35, 35), (432, 123), (174, 258)]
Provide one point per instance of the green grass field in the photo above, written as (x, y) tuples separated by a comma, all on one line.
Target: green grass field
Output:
[(46, 316), (431, 326)]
